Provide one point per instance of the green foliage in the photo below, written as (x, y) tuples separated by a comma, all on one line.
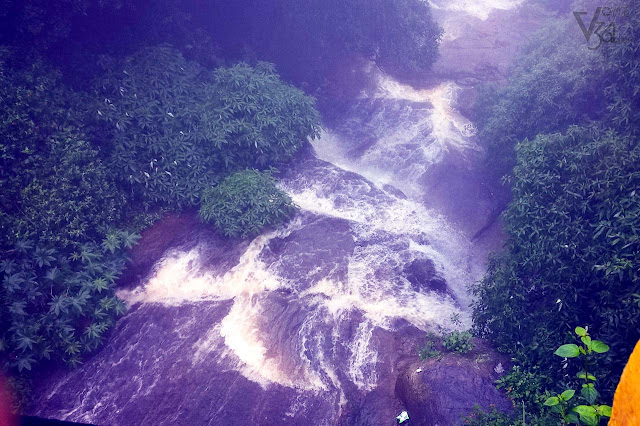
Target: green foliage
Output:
[(525, 387), (559, 82), (45, 23), (53, 185), (245, 203), (429, 349), (57, 199), (492, 417), (175, 128), (314, 36), (556, 82), (458, 341), (590, 413), (621, 63), (572, 253), (55, 306)]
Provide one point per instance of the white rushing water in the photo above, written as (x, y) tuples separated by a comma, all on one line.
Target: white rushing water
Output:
[(379, 218)]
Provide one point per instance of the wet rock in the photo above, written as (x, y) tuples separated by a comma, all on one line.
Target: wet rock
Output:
[(179, 231), (422, 275), (319, 250), (447, 389)]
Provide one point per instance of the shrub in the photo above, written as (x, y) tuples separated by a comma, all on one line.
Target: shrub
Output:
[(523, 386), (57, 202), (572, 253), (314, 36), (589, 412), (245, 203), (557, 82), (492, 417), (58, 307), (429, 349), (174, 128), (458, 341)]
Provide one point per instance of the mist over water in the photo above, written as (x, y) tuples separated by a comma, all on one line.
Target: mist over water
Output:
[(301, 328)]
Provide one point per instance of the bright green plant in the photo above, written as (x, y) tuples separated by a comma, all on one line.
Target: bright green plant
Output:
[(524, 387), (458, 341), (245, 203), (589, 413)]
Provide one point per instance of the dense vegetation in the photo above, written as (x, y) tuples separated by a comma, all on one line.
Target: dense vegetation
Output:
[(60, 260), (156, 131), (245, 203), (104, 125), (570, 117), (175, 128), (555, 83), (400, 36)]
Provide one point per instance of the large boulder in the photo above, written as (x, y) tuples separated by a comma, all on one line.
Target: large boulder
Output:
[(446, 389)]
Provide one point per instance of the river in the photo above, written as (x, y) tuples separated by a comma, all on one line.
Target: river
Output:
[(311, 323)]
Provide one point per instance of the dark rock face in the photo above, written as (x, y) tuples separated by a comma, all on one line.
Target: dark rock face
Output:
[(447, 389), (421, 273), (178, 231)]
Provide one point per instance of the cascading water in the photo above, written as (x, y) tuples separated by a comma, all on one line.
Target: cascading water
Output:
[(302, 325)]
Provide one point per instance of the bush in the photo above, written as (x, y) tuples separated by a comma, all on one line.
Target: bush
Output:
[(458, 341), (245, 203), (429, 349), (523, 386), (174, 128), (314, 36), (492, 417), (53, 185), (572, 254), (57, 202), (557, 82), (58, 307)]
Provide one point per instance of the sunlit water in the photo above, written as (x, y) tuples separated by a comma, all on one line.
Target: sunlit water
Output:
[(298, 330)]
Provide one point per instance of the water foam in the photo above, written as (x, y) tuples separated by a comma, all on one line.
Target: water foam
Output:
[(404, 150), (478, 8)]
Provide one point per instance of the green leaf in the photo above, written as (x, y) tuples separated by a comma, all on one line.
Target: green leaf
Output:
[(587, 341), (568, 394), (581, 375), (604, 410), (599, 347), (581, 331), (568, 351), (587, 414), (550, 402), (589, 393)]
